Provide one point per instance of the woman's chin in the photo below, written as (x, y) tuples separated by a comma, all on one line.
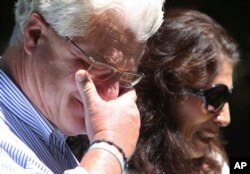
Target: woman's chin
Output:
[(200, 147)]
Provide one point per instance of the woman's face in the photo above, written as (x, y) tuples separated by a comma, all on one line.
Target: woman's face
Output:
[(197, 125)]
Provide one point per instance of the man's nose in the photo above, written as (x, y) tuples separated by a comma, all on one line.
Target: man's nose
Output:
[(223, 118), (108, 90)]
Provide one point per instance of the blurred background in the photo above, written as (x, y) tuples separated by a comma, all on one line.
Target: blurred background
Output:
[(234, 16)]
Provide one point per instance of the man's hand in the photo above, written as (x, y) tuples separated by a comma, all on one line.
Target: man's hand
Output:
[(116, 120)]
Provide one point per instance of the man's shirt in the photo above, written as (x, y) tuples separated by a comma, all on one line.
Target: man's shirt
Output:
[(28, 142)]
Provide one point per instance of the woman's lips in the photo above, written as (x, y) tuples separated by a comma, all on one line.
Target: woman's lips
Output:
[(205, 136)]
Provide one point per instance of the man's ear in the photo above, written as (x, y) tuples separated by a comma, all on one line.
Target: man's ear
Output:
[(35, 28)]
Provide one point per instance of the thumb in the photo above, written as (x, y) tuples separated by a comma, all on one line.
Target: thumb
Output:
[(86, 88), (128, 94)]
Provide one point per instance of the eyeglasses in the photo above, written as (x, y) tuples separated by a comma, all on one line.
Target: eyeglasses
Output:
[(102, 72), (214, 98)]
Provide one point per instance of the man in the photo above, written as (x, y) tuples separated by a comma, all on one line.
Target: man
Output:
[(70, 69)]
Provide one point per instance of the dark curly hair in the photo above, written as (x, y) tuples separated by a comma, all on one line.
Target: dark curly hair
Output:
[(186, 52)]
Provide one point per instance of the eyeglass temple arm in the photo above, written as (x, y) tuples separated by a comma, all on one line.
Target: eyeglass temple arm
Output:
[(91, 59)]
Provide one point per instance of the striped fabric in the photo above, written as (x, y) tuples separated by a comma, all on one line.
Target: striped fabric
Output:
[(28, 142)]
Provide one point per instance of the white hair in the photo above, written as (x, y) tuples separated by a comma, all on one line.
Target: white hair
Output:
[(71, 17)]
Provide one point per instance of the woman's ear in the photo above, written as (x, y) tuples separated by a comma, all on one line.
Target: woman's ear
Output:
[(35, 28)]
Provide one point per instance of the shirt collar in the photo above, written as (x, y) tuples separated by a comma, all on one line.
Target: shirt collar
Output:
[(14, 98)]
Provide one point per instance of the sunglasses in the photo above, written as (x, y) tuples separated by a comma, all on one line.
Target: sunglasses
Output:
[(214, 98)]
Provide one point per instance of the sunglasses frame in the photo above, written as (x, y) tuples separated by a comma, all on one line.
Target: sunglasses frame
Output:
[(202, 94)]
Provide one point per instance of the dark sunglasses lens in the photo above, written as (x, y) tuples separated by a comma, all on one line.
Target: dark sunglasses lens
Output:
[(216, 97)]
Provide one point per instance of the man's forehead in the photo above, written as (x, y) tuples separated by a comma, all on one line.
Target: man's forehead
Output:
[(112, 30), (115, 43)]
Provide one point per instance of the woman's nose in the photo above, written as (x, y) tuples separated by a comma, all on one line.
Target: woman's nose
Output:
[(223, 118)]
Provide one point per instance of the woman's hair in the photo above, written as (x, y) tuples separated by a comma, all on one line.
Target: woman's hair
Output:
[(71, 17), (186, 52)]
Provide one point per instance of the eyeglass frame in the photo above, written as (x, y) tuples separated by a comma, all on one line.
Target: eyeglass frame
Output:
[(200, 93), (93, 61)]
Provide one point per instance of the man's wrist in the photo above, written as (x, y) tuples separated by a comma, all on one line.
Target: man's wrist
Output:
[(114, 149), (98, 161)]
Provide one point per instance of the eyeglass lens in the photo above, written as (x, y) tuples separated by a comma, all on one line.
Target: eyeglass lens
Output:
[(102, 72)]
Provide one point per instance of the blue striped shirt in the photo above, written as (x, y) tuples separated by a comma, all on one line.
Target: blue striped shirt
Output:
[(28, 142)]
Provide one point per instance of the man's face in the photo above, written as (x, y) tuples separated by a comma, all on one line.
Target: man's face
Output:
[(59, 61)]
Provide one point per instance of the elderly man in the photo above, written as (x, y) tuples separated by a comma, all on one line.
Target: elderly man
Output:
[(70, 69)]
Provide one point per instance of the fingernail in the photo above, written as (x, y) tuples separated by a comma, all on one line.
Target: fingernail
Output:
[(79, 77)]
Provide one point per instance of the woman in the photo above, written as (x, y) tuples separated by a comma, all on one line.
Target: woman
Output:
[(183, 98)]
